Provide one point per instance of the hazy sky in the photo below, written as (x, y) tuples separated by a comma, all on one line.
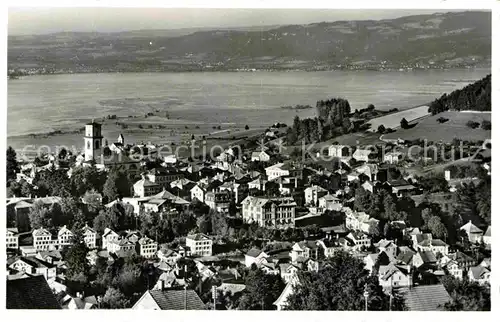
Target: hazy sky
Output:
[(48, 20)]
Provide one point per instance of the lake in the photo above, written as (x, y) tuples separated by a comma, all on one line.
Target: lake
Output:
[(45, 103)]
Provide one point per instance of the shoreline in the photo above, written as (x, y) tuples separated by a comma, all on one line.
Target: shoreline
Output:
[(291, 70)]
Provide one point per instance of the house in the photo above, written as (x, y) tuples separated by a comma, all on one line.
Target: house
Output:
[(358, 220), (329, 247), (359, 239), (313, 194), (434, 245), (281, 303), (363, 155), (288, 271), (34, 266), (387, 246), (426, 258), (393, 157), (276, 213), (30, 293), (259, 184), (370, 171), (147, 247), (254, 256), (79, 302), (170, 159), (426, 298), (42, 239), (475, 234), (370, 260), (418, 237), (276, 171), (479, 274), (109, 237), (329, 202), (169, 300), (306, 249), (145, 187), (260, 156), (463, 261), (64, 236), (343, 152), (218, 201), (89, 237), (487, 236), (400, 187), (198, 193), (371, 186), (200, 245), (12, 239), (168, 255), (394, 276), (164, 176)]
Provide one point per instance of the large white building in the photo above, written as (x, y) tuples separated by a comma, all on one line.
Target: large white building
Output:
[(269, 212), (147, 247), (276, 171), (42, 239), (200, 245)]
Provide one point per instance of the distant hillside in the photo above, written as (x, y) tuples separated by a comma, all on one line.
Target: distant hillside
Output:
[(473, 97), (425, 41)]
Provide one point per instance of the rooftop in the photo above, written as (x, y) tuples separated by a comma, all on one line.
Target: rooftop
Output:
[(30, 293)]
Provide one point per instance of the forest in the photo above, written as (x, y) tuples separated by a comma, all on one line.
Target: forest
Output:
[(473, 97)]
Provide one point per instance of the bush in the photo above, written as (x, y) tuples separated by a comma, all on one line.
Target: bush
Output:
[(473, 124), (486, 125), (246, 127), (381, 129), (442, 120), (404, 123)]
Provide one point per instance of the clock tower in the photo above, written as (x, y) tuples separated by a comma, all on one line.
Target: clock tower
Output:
[(93, 140)]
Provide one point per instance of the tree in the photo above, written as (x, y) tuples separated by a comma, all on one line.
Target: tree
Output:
[(247, 127), (40, 216), (339, 286), (466, 295), (404, 123), (26, 189), (84, 179), (486, 125), (437, 228), (93, 199), (261, 290), (204, 224), (14, 189), (114, 299), (12, 164), (129, 280), (381, 129), (117, 185), (362, 199), (76, 261)]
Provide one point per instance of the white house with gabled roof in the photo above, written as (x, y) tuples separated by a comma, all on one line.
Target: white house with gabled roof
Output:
[(64, 236)]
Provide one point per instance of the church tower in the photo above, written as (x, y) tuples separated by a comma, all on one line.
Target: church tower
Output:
[(93, 141), (121, 139)]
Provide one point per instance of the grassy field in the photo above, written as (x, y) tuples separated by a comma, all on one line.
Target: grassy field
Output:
[(428, 128), (392, 121)]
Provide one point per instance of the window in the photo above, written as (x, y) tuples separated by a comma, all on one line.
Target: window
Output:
[(88, 144)]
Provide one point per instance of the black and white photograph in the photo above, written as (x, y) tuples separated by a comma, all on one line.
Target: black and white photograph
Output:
[(249, 159)]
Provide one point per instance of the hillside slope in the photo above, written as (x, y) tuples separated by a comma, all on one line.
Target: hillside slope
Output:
[(424, 41)]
